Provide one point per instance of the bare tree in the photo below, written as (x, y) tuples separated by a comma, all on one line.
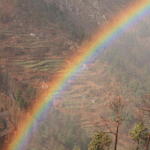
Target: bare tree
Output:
[(116, 105)]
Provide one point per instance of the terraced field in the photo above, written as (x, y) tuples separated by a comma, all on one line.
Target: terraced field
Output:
[(87, 96), (52, 65), (29, 57), (31, 54), (90, 92)]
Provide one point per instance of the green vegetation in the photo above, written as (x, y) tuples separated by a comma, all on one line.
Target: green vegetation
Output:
[(100, 141), (140, 135)]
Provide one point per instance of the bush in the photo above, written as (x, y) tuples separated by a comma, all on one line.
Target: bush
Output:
[(100, 141)]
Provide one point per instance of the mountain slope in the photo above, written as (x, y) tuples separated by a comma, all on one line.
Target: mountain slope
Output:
[(121, 70), (89, 15), (36, 38)]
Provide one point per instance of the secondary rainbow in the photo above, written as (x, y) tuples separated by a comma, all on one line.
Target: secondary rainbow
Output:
[(97, 43)]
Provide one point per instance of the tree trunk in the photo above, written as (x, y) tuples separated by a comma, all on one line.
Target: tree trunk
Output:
[(116, 137), (137, 148), (148, 142)]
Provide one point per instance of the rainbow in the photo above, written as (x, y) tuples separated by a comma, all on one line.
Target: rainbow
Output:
[(97, 43)]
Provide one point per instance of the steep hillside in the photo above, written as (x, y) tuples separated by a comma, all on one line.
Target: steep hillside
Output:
[(122, 70), (37, 37), (30, 55), (89, 15), (129, 58), (80, 18)]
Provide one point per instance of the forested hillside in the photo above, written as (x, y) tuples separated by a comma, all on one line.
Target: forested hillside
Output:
[(108, 103)]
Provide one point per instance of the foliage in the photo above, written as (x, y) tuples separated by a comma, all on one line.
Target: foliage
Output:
[(139, 133), (100, 141)]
